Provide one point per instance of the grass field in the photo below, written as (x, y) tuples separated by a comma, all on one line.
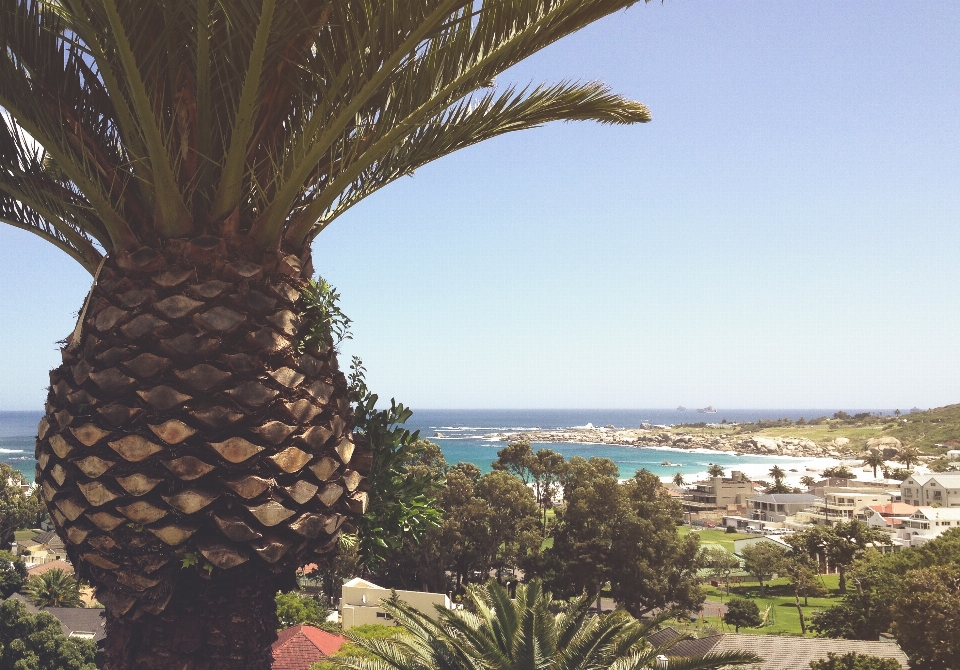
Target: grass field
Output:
[(712, 536), (782, 618), (23, 535)]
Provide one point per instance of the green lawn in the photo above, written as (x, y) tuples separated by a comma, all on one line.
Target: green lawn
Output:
[(782, 619), (23, 535), (713, 536)]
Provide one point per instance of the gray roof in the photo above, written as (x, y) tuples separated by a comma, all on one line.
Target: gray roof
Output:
[(72, 619), (782, 652), (80, 620), (46, 537), (784, 498)]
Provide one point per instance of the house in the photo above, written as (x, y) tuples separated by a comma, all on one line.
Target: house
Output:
[(886, 516), (779, 652), (777, 507), (719, 493), (741, 544), (82, 622), (360, 603), (299, 647), (46, 546), (937, 489), (844, 503), (926, 524), (56, 564)]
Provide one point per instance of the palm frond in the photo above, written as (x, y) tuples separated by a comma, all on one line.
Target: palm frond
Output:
[(267, 119)]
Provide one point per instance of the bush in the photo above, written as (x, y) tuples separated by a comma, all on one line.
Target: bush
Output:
[(36, 642), (731, 529)]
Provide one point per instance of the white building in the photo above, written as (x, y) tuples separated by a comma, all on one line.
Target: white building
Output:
[(360, 603), (926, 524), (935, 489)]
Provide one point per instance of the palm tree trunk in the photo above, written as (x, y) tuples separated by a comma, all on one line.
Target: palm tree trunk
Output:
[(186, 437), (227, 624), (843, 578)]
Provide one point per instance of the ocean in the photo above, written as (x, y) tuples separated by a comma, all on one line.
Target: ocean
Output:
[(472, 436)]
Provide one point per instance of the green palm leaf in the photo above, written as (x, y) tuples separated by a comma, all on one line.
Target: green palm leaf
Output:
[(261, 120), (520, 634)]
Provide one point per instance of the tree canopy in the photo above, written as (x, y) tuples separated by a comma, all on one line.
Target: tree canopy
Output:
[(36, 642)]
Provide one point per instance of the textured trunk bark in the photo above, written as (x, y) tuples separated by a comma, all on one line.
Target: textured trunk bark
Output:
[(228, 624), (192, 456)]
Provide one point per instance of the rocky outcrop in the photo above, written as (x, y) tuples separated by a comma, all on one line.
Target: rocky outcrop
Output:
[(742, 444)]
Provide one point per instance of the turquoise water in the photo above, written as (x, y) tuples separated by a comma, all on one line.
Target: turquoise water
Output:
[(470, 436)]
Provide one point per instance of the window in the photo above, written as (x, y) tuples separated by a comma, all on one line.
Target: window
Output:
[(384, 615)]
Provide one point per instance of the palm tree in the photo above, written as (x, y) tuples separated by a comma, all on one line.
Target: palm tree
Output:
[(520, 634), (198, 444), (715, 470), (777, 473), (808, 481), (873, 459), (678, 479), (53, 588), (907, 455)]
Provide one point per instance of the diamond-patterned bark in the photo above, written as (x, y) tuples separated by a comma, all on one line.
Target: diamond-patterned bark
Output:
[(182, 423)]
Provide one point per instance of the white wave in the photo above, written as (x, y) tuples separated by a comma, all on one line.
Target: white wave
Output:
[(13, 451)]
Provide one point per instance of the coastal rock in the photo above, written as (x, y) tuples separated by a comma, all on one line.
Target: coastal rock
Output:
[(841, 442), (765, 444)]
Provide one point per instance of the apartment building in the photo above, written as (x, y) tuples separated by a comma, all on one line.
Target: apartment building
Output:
[(935, 490), (719, 493), (927, 523), (776, 507), (846, 503), (360, 603)]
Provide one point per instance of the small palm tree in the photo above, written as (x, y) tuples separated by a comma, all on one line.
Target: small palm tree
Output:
[(777, 473), (808, 481), (678, 479), (908, 455), (715, 470), (520, 634), (54, 588), (873, 459)]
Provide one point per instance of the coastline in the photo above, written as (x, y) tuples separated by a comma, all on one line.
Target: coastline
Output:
[(754, 445)]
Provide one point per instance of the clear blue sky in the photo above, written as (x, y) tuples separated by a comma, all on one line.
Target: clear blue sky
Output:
[(783, 234)]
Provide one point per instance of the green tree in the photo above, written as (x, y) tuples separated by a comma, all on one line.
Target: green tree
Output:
[(187, 154), (778, 475), (804, 581), (762, 560), (908, 455), (875, 460), (294, 608), (808, 481), (516, 458), (53, 588), (715, 470), (17, 509), (721, 564), (924, 619), (839, 472), (519, 634), (36, 642), (13, 574), (839, 544), (741, 612), (652, 567), (678, 479), (854, 661), (547, 472), (511, 530), (622, 534)]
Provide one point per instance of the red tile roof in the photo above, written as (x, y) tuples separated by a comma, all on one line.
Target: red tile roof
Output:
[(50, 565), (894, 509), (299, 647)]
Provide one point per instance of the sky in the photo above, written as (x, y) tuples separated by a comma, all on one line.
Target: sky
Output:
[(783, 234)]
